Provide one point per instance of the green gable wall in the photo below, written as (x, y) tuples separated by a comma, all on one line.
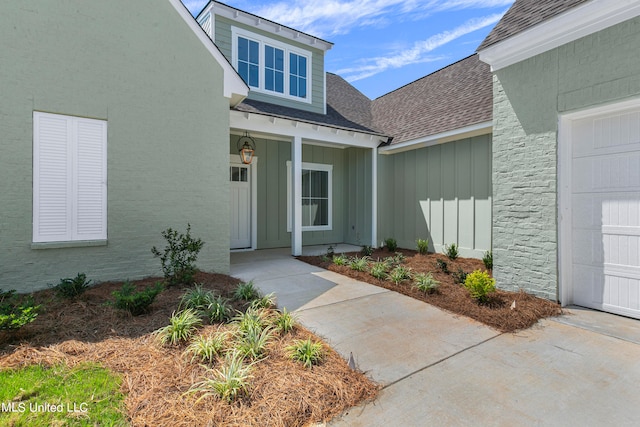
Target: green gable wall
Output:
[(441, 193), (224, 42), (528, 97), (138, 66)]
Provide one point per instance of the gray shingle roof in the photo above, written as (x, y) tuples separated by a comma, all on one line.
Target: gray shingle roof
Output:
[(456, 96), (525, 14)]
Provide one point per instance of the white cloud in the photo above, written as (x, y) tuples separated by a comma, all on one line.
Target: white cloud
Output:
[(419, 52)]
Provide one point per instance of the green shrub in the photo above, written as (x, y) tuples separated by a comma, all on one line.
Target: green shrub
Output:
[(218, 310), (227, 383), (253, 318), (134, 302), (359, 264), (206, 348), (72, 287), (16, 312), (197, 298), (425, 282), (181, 327), (284, 321), (341, 259), (487, 259), (246, 291), (422, 246), (399, 274), (391, 244), (451, 251), (442, 265), (480, 285), (460, 276), (307, 352), (179, 256), (330, 252), (366, 251), (379, 270), (267, 301), (252, 341)]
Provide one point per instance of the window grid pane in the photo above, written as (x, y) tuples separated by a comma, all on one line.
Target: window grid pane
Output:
[(315, 198), (274, 69), (249, 61), (297, 75)]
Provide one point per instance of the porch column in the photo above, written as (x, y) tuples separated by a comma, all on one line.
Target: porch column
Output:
[(296, 196), (374, 197)]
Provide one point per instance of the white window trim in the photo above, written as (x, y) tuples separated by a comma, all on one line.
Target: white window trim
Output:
[(262, 41), (72, 234), (314, 167)]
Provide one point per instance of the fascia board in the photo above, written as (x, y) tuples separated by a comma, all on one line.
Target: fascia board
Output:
[(572, 25)]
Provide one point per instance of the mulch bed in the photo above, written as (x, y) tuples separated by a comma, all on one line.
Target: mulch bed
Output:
[(497, 312), (155, 378)]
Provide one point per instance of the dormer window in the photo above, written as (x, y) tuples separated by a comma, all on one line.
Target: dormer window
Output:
[(272, 67)]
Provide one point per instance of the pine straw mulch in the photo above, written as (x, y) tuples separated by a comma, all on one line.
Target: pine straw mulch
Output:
[(155, 378), (497, 312)]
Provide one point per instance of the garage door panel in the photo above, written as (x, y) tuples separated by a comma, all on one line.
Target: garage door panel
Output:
[(605, 219)]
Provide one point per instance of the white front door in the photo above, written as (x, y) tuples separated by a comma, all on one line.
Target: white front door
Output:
[(605, 211), (240, 205)]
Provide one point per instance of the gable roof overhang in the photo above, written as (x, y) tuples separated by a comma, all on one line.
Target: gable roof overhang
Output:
[(282, 128), (235, 89), (478, 129), (580, 21), (221, 9)]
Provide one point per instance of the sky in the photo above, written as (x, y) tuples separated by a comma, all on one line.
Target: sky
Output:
[(382, 45)]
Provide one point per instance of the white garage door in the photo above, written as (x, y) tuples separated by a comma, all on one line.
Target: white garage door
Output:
[(605, 211)]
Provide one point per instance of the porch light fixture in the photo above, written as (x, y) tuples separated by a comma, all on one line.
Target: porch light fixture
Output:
[(246, 146)]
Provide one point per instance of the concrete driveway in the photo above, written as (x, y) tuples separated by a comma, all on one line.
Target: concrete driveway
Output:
[(439, 369)]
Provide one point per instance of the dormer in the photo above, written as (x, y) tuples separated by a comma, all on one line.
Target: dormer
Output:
[(281, 65)]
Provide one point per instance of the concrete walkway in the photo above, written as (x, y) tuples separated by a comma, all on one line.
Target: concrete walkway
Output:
[(436, 368)]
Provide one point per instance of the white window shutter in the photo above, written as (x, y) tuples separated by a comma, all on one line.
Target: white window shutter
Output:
[(69, 178), (52, 180), (90, 180)]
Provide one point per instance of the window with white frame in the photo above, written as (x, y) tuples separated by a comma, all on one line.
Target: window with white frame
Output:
[(317, 197), (69, 178), (272, 67)]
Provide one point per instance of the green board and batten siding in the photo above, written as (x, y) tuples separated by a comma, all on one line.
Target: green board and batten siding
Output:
[(442, 193), (528, 96), (351, 193), (223, 41), (138, 66)]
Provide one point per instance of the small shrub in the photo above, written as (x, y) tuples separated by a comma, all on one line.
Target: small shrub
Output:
[(391, 244), (179, 256), (425, 282), (134, 302), (206, 348), (267, 301), (480, 285), (285, 321), (399, 258), (459, 276), (16, 312), (422, 246), (197, 298), (253, 340), (487, 259), (442, 266), (246, 291), (340, 259), (252, 318), (307, 352), (359, 264), (218, 310), (451, 251), (330, 252), (72, 287), (399, 274), (379, 270), (227, 383), (366, 251), (181, 327)]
